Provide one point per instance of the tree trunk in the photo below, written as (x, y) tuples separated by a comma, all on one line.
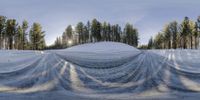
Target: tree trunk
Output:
[(195, 42), (191, 42), (1, 42), (169, 45), (10, 43), (184, 42)]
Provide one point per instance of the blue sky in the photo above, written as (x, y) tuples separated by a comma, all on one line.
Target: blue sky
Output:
[(149, 16)]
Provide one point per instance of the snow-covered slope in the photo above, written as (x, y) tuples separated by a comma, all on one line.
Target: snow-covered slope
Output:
[(100, 71), (98, 52), (102, 47)]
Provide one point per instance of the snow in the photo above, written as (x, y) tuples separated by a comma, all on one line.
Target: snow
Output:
[(100, 71), (102, 47)]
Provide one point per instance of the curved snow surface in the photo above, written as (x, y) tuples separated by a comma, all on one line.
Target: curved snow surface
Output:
[(99, 71)]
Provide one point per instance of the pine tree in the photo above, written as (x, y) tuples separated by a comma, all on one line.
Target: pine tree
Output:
[(67, 36), (89, 31), (116, 32), (2, 31), (173, 27), (104, 31), (96, 30), (108, 32), (37, 37), (196, 35), (135, 37), (131, 35), (150, 43), (24, 35), (158, 41), (58, 43), (191, 33), (167, 36), (79, 30), (85, 34), (11, 29), (127, 32), (185, 31), (19, 39)]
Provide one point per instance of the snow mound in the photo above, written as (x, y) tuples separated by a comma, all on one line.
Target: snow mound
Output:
[(103, 47), (98, 52)]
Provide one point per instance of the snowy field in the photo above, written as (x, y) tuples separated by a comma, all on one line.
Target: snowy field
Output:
[(100, 71)]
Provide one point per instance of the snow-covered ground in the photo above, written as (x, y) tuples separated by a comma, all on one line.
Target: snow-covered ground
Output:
[(100, 71)]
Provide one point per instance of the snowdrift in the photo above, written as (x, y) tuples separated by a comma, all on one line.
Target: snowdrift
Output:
[(102, 47), (104, 70)]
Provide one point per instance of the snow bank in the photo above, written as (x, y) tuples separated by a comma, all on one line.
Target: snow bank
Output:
[(103, 47), (100, 51)]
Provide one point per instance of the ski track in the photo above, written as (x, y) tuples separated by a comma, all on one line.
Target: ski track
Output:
[(63, 74)]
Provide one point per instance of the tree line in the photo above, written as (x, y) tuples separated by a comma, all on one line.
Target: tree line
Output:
[(95, 31), (16, 36), (174, 35)]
